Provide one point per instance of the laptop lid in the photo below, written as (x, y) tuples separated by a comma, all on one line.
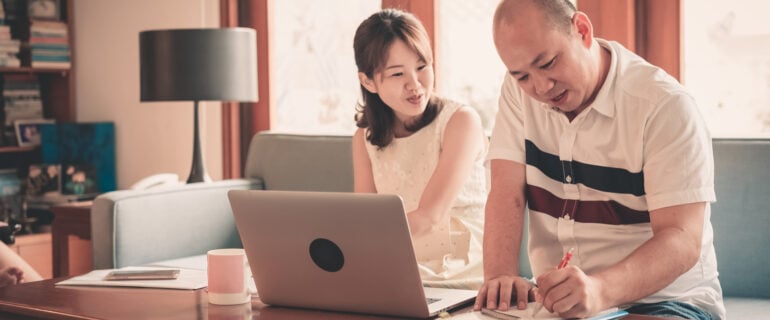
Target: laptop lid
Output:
[(334, 251)]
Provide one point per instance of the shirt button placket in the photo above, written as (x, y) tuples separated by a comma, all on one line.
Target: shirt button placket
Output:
[(566, 223)]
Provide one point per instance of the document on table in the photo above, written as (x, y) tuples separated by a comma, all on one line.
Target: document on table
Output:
[(534, 311), (188, 279)]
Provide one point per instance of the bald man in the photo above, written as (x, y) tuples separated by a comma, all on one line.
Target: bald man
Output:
[(614, 162)]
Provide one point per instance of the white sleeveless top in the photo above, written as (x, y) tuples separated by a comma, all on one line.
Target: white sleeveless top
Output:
[(450, 256)]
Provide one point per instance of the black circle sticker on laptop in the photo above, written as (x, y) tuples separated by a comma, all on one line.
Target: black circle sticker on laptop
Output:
[(326, 255)]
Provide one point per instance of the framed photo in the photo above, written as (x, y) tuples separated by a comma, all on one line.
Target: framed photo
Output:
[(44, 9), (42, 179), (79, 179), (86, 152), (27, 131)]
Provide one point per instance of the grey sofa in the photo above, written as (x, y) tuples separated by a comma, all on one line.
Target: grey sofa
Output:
[(135, 227), (741, 220), (140, 227)]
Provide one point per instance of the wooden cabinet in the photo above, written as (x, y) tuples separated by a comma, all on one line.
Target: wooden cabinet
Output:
[(71, 231), (66, 250), (37, 250)]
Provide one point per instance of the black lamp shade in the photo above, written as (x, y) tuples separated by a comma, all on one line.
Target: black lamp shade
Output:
[(199, 65)]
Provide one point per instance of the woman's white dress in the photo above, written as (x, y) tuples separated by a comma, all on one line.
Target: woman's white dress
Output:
[(451, 256)]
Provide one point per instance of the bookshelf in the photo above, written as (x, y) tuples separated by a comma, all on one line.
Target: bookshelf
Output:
[(56, 84), (56, 96)]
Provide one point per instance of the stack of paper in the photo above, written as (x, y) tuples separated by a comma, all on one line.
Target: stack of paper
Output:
[(535, 310), (188, 279)]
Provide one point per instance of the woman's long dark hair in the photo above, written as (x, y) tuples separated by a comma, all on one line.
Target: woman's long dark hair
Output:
[(371, 44)]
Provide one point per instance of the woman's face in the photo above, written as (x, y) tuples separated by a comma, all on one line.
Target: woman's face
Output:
[(405, 83)]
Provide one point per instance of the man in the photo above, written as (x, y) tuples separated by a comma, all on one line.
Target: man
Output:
[(614, 162)]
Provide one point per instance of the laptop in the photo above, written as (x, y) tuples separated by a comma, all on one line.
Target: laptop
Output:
[(336, 251)]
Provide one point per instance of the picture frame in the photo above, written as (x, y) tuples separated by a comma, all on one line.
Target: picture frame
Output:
[(44, 9), (10, 195), (28, 132), (79, 180), (90, 146), (42, 179)]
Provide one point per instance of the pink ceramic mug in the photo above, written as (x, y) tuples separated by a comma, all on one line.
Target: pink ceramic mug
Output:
[(227, 277)]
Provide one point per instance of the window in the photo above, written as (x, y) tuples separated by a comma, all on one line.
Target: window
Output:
[(726, 65), (314, 74), (469, 70)]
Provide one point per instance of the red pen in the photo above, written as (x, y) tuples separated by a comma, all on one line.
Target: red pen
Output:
[(565, 260)]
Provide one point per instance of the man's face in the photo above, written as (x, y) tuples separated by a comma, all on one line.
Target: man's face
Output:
[(550, 65)]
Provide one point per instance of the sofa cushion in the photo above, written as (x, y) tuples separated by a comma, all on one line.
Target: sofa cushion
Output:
[(741, 216), (747, 308), (301, 162)]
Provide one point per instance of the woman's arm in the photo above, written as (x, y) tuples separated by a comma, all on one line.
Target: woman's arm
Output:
[(363, 180), (463, 140)]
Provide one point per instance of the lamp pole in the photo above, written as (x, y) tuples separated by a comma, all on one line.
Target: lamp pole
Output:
[(198, 169)]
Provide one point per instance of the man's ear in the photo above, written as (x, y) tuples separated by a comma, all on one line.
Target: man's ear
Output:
[(582, 25), (367, 83)]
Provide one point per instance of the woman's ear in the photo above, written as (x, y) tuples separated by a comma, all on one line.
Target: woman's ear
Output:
[(367, 83)]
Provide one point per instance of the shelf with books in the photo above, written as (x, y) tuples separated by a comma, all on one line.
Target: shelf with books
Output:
[(62, 71), (35, 43), (15, 149), (38, 33)]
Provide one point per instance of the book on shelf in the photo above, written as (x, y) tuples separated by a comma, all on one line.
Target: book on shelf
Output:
[(21, 100), (49, 44), (47, 32), (51, 64), (50, 57), (2, 12), (48, 24), (8, 48), (52, 40), (10, 63), (9, 51)]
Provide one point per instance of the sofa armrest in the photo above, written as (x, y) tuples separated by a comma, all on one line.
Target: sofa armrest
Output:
[(134, 227)]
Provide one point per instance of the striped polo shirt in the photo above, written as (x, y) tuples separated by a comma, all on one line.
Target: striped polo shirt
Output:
[(641, 145)]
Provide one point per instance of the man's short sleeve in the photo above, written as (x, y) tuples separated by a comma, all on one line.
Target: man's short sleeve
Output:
[(508, 136), (678, 157)]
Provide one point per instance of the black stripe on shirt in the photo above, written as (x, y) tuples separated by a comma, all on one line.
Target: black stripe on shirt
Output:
[(601, 178)]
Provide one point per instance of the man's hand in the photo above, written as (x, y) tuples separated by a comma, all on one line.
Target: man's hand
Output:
[(570, 293), (499, 292), (11, 275)]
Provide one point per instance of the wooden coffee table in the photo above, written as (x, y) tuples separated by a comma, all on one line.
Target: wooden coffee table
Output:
[(43, 300)]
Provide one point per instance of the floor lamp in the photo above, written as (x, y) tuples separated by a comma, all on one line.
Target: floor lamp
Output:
[(198, 65)]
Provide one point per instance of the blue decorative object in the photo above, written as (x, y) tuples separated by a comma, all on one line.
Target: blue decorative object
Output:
[(88, 149)]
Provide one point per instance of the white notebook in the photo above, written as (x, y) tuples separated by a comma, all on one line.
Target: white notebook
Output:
[(535, 311), (188, 280)]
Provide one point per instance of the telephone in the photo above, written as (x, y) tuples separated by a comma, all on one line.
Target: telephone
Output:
[(158, 180)]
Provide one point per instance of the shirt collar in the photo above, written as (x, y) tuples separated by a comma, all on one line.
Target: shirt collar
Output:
[(604, 102)]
